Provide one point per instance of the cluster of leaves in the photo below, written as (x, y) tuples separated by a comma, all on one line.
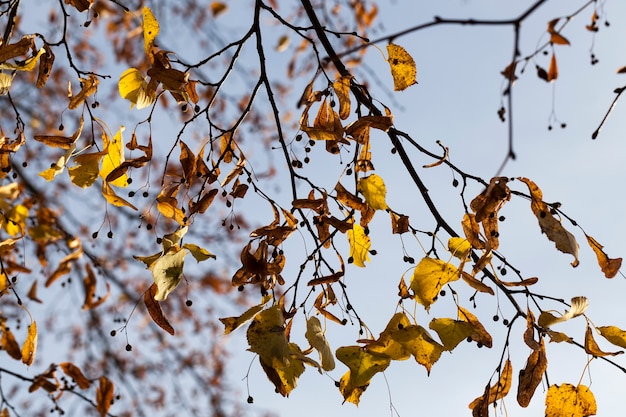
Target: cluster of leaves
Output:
[(210, 171)]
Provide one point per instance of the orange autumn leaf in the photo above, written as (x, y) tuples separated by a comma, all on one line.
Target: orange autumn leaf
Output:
[(76, 374), (30, 345), (155, 310), (104, 396), (553, 69), (530, 377), (496, 392), (609, 266)]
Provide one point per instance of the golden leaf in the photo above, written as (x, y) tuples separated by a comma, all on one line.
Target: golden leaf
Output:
[(342, 91), (150, 30), (217, 8), (479, 333), (459, 247), (114, 158), (592, 348), (374, 190), (500, 390), (471, 229), (451, 332), (403, 68), (530, 377), (285, 378), (112, 198), (419, 343), (614, 335), (571, 401), (134, 88), (199, 254), (429, 277), (609, 266), (359, 245), (76, 374), (386, 344), (554, 230), (363, 366), (87, 170), (30, 345), (266, 337), (233, 323), (476, 284), (63, 142)]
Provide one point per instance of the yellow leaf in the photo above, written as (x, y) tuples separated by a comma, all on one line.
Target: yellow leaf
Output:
[(429, 277), (233, 323), (285, 378), (112, 198), (27, 65), (150, 30), (417, 341), (316, 338), (451, 332), (86, 172), (363, 366), (59, 166), (266, 337), (114, 157), (403, 68), (609, 266), (386, 344), (568, 400), (167, 272), (359, 245), (558, 337), (554, 230), (15, 221), (592, 348), (199, 254), (134, 88), (459, 247), (614, 335), (500, 390), (479, 333), (30, 345), (374, 190)]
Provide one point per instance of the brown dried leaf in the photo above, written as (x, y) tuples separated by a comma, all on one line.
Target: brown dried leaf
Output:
[(104, 396), (19, 48), (609, 266), (553, 70), (491, 200), (45, 66), (89, 87), (76, 374), (500, 390), (476, 284), (592, 348), (32, 293), (529, 334), (523, 283), (80, 5), (509, 71), (112, 198), (530, 377), (399, 223), (471, 229), (155, 311), (554, 230), (63, 142), (8, 342), (342, 91), (480, 334)]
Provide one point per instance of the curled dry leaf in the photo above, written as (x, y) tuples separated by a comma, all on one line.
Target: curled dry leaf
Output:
[(530, 377), (76, 374), (499, 390), (104, 396), (552, 227), (155, 310), (592, 348), (609, 266)]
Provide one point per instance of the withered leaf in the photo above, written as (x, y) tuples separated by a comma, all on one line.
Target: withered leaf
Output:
[(592, 348), (476, 284), (553, 69), (19, 48), (76, 374), (499, 390), (342, 91), (63, 142), (8, 342), (529, 334), (609, 266), (530, 377), (45, 66), (32, 293), (89, 87), (155, 310), (399, 223), (554, 230), (104, 396)]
